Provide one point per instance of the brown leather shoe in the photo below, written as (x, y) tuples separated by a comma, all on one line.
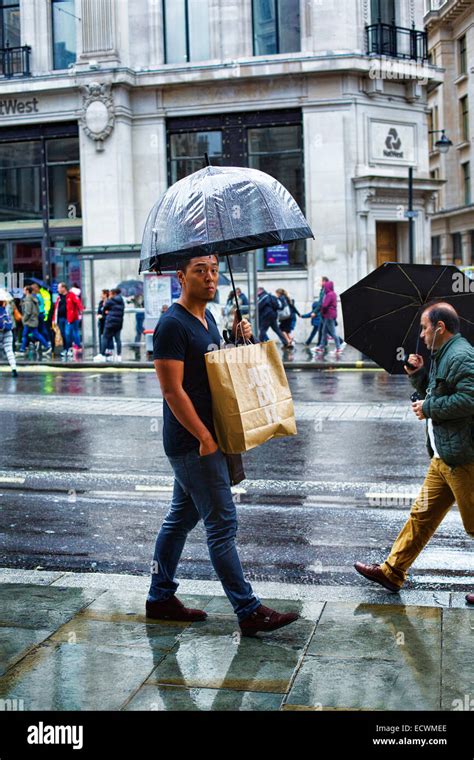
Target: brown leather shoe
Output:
[(470, 598), (266, 619), (173, 609), (375, 574)]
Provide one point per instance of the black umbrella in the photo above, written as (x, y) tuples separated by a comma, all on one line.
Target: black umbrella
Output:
[(131, 287), (219, 210), (382, 311)]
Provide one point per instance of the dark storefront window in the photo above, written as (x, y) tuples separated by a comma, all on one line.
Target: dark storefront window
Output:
[(187, 151), (64, 33), (9, 24), (457, 249), (20, 179), (278, 152), (436, 250), (64, 178), (269, 141), (276, 26), (186, 30), (27, 258)]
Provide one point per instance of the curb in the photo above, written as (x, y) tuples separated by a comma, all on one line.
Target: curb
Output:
[(309, 365)]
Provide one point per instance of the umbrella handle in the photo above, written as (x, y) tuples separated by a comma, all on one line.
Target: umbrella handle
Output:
[(239, 313)]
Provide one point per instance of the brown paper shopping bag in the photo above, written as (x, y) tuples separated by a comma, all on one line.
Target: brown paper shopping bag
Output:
[(251, 398)]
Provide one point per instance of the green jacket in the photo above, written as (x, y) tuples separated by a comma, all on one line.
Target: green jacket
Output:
[(448, 389), (30, 311)]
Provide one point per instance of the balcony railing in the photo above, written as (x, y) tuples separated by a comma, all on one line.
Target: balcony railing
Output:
[(397, 42), (15, 61)]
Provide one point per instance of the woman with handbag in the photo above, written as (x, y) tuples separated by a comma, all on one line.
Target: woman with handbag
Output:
[(287, 316)]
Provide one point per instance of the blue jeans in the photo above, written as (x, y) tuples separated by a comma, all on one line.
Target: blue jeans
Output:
[(33, 331), (312, 334), (202, 491), (73, 334), (63, 328), (329, 328)]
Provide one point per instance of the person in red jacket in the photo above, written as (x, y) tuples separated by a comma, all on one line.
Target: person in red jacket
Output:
[(329, 314), (67, 312)]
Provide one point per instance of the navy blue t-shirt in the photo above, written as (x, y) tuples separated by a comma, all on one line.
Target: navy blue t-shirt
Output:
[(182, 336)]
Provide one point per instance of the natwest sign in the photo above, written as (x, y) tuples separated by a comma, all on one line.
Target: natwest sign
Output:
[(14, 106)]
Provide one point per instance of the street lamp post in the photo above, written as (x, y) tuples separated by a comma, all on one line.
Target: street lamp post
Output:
[(443, 145)]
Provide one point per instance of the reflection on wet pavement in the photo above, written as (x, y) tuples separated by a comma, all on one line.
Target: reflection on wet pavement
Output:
[(94, 650)]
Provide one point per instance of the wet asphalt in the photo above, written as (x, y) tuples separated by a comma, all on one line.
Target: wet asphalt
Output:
[(87, 489)]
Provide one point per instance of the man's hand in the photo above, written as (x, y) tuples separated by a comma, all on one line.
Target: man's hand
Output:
[(417, 407), (208, 446), (239, 328), (417, 361)]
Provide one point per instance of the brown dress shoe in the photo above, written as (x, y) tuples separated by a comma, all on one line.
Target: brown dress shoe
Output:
[(173, 609), (470, 598), (266, 619), (374, 573)]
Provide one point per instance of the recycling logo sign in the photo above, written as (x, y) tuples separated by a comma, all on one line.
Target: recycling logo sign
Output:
[(393, 144)]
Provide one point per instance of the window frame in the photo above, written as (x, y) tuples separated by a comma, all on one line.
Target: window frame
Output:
[(42, 132), (462, 55), (234, 127), (464, 117), (187, 35), (4, 4), (277, 29), (466, 177), (53, 68)]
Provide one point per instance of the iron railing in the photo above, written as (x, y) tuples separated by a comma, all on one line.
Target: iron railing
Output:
[(397, 42), (15, 61)]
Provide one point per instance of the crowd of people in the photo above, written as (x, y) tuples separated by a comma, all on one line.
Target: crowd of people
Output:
[(279, 312), (34, 323)]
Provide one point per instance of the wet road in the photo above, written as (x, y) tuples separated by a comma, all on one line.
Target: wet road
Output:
[(84, 483)]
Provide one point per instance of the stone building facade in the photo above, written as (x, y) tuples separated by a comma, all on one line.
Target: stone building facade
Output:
[(450, 28), (103, 103)]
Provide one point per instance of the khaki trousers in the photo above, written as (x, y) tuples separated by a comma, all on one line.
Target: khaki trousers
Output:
[(443, 486)]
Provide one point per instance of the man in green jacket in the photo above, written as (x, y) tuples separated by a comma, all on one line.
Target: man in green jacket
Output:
[(447, 404)]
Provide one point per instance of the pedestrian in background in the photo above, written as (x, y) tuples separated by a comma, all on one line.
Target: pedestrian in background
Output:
[(243, 302), (42, 326), (104, 295), (446, 404), (287, 315), (268, 308), (30, 318), (67, 311), (114, 310), (329, 315), (6, 329), (315, 315), (139, 302)]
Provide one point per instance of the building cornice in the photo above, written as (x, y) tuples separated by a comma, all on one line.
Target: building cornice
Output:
[(448, 12), (172, 75)]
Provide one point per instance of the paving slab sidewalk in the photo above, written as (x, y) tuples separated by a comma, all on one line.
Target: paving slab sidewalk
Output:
[(80, 641)]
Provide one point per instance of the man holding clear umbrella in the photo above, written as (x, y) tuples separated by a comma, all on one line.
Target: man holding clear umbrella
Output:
[(202, 485)]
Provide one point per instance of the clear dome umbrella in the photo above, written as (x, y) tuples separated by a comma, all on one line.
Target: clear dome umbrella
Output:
[(219, 210)]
